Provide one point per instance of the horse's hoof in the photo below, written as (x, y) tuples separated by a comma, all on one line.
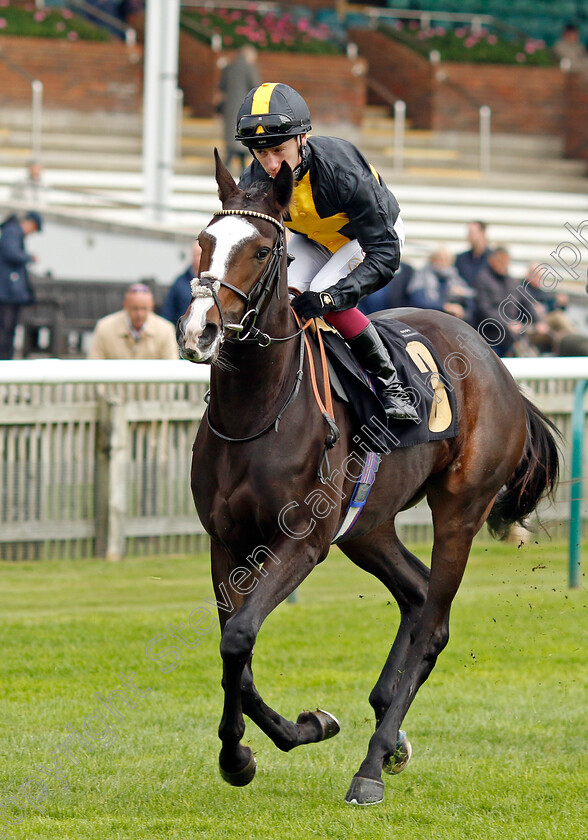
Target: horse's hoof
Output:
[(365, 791), (396, 762), (325, 723), (240, 778)]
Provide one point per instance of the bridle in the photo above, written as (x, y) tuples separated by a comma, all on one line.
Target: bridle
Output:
[(265, 285), (262, 289)]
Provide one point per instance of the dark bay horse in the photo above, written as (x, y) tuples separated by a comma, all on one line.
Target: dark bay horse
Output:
[(255, 484)]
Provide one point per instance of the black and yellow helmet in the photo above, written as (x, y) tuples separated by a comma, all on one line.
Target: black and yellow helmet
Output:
[(270, 114)]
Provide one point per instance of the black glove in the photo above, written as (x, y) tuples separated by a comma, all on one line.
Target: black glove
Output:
[(313, 304)]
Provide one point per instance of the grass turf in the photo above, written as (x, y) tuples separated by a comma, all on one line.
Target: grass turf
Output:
[(498, 731)]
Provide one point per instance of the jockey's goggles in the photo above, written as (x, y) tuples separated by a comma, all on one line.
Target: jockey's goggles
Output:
[(270, 123)]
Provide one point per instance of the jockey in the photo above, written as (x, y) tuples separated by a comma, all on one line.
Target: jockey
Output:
[(347, 232)]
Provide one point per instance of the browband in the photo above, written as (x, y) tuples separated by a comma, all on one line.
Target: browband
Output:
[(257, 215)]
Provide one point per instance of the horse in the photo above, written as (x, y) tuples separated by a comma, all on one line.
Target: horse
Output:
[(256, 485)]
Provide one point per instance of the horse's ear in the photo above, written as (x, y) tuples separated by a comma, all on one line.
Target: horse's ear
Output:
[(283, 185), (226, 183)]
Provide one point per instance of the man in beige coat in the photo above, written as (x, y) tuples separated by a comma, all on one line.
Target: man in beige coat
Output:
[(135, 332)]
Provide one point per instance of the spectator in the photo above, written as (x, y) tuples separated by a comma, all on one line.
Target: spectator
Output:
[(469, 263), (561, 335), (237, 79), (392, 296), (502, 301), (179, 295), (30, 190), (438, 286), (15, 285), (135, 332), (570, 50)]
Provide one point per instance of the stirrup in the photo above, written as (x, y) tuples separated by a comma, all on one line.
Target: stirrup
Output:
[(398, 406)]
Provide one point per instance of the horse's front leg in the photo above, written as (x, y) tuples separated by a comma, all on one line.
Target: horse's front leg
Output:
[(286, 565)]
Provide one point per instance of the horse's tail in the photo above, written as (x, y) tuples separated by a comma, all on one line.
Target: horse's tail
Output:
[(535, 475)]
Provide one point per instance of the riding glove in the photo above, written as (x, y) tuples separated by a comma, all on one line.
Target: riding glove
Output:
[(313, 304)]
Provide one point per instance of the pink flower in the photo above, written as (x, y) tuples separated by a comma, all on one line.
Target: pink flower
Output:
[(520, 57), (470, 42), (303, 25), (60, 27), (439, 30), (399, 25), (529, 48), (39, 16), (4, 2), (492, 39), (3, 23), (72, 36), (67, 14), (461, 32)]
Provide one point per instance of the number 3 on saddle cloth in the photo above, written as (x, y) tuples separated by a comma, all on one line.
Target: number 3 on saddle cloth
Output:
[(422, 374)]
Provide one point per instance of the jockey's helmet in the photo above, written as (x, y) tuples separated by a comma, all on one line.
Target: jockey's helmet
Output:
[(270, 114)]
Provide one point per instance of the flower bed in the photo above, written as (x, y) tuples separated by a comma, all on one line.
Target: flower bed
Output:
[(23, 19), (464, 44), (275, 32)]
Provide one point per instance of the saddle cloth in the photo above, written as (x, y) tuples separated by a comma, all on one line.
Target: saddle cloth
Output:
[(421, 372)]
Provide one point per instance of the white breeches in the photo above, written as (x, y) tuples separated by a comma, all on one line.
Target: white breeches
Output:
[(316, 268)]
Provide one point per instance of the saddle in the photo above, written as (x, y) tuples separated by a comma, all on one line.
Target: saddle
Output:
[(419, 369)]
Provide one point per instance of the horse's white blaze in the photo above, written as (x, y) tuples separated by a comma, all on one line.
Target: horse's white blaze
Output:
[(228, 234)]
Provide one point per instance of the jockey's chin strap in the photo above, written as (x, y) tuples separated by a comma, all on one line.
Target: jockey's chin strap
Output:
[(261, 291)]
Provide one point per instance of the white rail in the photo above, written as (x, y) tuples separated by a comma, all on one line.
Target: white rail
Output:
[(159, 371), (96, 372)]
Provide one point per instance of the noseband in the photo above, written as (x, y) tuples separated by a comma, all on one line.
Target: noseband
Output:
[(262, 288)]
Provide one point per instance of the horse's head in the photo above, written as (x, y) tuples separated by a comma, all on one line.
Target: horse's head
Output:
[(242, 256)]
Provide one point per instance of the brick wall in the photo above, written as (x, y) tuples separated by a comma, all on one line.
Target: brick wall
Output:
[(577, 108), (84, 75), (400, 71), (333, 86), (524, 100), (447, 96)]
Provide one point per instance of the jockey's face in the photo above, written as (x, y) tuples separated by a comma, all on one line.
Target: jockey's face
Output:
[(271, 159)]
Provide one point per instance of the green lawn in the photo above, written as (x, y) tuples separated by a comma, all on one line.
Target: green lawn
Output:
[(499, 731)]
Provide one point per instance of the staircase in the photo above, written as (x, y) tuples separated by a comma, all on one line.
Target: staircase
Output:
[(93, 171)]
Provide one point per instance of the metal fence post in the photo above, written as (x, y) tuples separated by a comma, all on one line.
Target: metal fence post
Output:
[(36, 118), (578, 422), (399, 125), (485, 117)]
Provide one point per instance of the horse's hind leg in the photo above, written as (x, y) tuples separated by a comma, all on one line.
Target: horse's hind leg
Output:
[(383, 555), (456, 521)]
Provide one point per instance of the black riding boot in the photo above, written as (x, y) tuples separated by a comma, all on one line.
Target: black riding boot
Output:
[(371, 353)]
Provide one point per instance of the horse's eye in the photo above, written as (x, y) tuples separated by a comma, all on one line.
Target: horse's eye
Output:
[(262, 253)]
